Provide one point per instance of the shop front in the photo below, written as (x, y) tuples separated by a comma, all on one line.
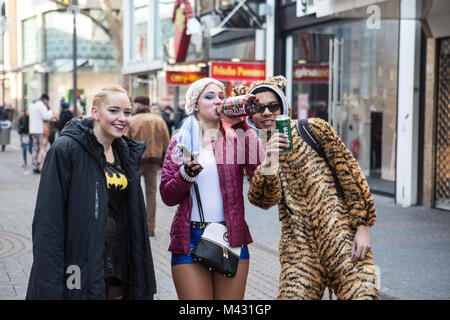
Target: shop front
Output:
[(344, 72)]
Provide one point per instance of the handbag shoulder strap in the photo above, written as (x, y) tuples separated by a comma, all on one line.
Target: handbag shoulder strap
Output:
[(199, 203)]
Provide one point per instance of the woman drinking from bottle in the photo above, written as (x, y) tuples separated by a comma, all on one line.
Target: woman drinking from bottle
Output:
[(216, 169)]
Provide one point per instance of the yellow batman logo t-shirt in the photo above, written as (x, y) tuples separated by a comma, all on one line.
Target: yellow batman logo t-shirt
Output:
[(115, 180)]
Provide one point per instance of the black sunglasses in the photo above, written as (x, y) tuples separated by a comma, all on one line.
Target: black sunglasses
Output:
[(273, 107)]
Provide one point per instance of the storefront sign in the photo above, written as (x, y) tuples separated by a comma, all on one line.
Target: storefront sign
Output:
[(310, 73), (181, 13), (178, 78), (229, 71)]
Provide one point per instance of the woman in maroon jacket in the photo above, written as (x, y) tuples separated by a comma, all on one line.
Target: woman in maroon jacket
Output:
[(222, 155)]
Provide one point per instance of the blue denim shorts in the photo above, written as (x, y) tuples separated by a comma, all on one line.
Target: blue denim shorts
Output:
[(195, 237)]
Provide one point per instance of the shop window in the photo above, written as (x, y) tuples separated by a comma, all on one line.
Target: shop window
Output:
[(139, 12), (363, 106), (92, 41), (164, 29), (31, 87), (244, 50), (30, 41)]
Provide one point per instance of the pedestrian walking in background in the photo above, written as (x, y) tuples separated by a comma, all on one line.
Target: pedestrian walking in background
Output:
[(325, 237), (180, 115), (152, 129), (53, 126), (220, 186), (167, 115), (65, 115), (39, 131), (5, 119), (89, 234), (25, 140)]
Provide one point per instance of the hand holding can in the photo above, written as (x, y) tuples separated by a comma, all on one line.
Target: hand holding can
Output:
[(283, 124)]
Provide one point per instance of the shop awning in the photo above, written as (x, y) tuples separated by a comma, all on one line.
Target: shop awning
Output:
[(66, 65), (58, 65)]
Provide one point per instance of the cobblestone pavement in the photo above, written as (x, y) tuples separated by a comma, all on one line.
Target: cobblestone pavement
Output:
[(410, 245)]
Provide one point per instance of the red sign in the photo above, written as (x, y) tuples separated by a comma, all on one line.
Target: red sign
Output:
[(229, 71), (183, 78), (310, 73)]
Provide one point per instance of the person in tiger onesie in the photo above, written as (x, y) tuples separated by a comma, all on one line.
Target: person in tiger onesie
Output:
[(325, 239)]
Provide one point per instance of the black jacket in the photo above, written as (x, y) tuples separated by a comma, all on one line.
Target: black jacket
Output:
[(70, 218)]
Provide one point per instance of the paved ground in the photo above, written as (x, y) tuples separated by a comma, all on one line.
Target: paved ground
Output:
[(411, 246)]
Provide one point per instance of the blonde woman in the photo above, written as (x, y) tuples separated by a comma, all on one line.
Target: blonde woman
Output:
[(89, 234)]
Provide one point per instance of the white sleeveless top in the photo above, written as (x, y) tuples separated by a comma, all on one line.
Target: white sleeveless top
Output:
[(209, 188)]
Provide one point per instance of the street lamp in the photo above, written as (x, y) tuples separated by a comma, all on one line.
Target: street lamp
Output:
[(74, 9)]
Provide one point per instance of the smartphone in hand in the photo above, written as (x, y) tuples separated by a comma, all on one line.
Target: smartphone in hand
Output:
[(188, 155)]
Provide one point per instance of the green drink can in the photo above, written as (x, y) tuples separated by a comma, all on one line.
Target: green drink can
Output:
[(283, 123)]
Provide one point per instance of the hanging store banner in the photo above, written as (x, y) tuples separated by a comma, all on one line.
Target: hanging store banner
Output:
[(310, 73), (229, 71), (182, 11), (178, 78)]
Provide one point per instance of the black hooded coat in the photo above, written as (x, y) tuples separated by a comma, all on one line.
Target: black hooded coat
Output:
[(70, 219)]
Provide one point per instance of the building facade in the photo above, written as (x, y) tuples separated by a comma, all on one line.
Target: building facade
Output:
[(40, 36), (377, 70)]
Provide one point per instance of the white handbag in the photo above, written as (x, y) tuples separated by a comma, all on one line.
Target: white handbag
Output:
[(213, 249), (218, 234)]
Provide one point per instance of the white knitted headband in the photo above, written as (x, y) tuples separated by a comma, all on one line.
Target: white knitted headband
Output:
[(194, 91)]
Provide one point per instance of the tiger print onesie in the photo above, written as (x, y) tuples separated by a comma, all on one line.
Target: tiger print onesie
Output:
[(317, 235)]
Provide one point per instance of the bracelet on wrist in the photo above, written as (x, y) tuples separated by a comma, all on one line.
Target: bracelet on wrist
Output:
[(186, 176)]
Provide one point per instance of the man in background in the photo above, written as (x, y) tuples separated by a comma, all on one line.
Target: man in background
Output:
[(65, 115), (167, 115), (145, 126), (39, 131), (180, 115)]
